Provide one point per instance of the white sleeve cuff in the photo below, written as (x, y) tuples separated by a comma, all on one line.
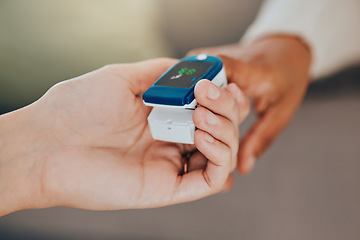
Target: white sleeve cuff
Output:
[(329, 27)]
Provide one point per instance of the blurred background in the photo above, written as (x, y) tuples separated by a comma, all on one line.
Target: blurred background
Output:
[(307, 186)]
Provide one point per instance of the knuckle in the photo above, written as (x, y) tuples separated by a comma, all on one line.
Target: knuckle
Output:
[(110, 68), (166, 59)]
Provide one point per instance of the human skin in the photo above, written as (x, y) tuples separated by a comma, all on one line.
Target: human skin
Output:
[(274, 72), (86, 144)]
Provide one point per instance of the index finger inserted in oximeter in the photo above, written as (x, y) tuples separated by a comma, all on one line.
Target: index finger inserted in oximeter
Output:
[(172, 97)]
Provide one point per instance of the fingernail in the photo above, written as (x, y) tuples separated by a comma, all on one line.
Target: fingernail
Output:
[(212, 119), (209, 138), (213, 92), (249, 165)]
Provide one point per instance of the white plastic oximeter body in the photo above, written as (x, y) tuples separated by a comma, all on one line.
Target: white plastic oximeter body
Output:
[(172, 97)]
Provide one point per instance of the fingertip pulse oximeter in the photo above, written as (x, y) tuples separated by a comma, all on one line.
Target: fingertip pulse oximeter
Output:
[(172, 97)]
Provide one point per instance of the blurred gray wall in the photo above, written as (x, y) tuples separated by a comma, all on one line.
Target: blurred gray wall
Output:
[(191, 24), (43, 42)]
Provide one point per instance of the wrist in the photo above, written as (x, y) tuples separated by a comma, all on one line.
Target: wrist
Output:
[(21, 155), (286, 57)]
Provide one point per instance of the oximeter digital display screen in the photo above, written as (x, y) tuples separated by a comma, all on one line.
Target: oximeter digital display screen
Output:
[(184, 74)]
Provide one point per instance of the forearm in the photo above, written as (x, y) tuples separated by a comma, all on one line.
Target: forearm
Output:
[(19, 170), (290, 54)]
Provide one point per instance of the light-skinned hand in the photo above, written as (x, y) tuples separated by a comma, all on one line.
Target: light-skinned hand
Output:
[(86, 144)]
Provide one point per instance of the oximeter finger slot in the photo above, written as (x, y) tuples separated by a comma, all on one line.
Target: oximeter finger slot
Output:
[(172, 125)]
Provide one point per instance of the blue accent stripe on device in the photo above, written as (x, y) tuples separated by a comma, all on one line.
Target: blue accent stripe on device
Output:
[(179, 96)]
